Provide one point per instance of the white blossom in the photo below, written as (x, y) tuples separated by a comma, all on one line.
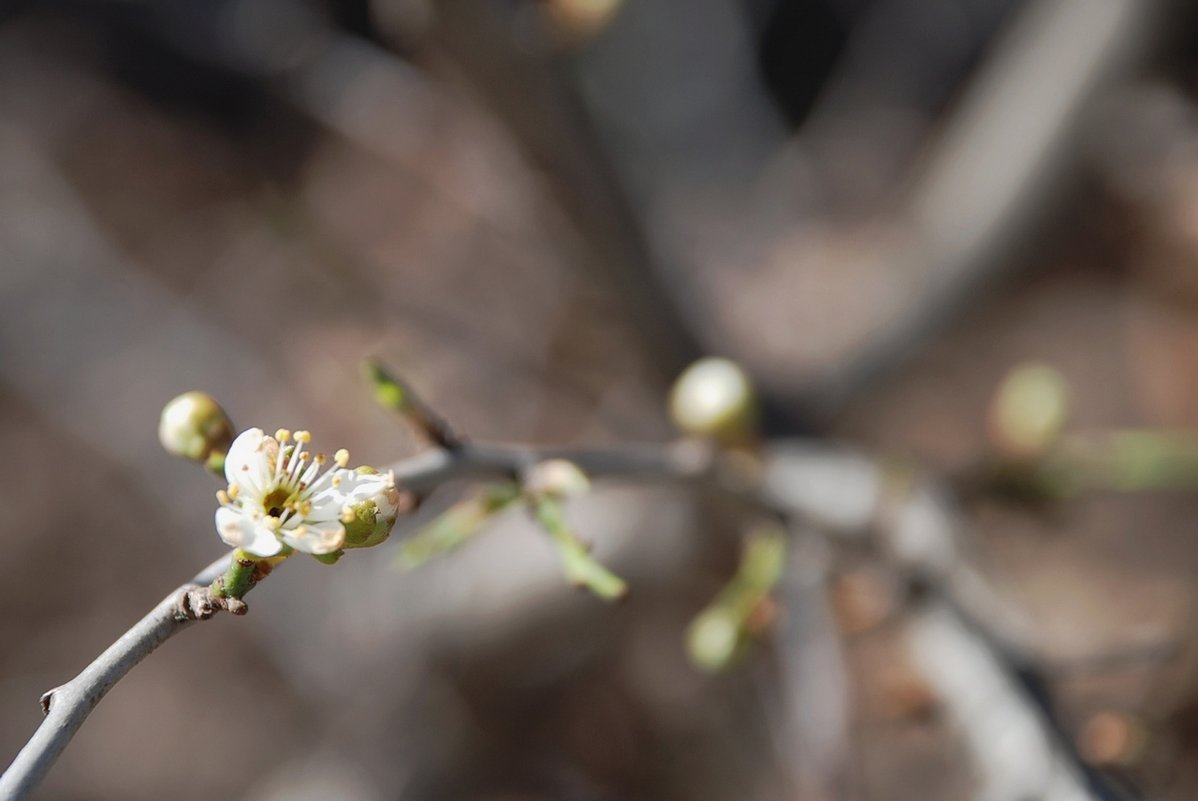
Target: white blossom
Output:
[(278, 498)]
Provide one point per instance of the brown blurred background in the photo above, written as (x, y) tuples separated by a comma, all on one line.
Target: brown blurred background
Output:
[(539, 212)]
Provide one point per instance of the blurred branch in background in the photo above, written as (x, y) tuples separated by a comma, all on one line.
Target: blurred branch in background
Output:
[(1003, 157)]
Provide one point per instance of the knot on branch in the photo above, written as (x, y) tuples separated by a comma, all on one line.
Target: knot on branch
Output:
[(201, 603)]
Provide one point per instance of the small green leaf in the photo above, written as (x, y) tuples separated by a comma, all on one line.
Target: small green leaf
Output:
[(580, 567), (456, 526)]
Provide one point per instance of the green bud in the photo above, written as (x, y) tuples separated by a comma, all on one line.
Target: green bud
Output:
[(1028, 411), (713, 639), (715, 398), (556, 478), (194, 426), (367, 527)]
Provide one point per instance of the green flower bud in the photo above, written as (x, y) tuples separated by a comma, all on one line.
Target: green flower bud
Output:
[(713, 639), (556, 478), (715, 398), (1028, 411), (194, 426), (369, 522)]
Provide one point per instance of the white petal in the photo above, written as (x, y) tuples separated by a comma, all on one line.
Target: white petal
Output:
[(250, 462), (358, 487), (352, 488), (239, 531), (326, 507), (315, 539), (242, 452)]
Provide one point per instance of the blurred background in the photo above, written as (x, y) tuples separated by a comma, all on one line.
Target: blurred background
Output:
[(539, 211)]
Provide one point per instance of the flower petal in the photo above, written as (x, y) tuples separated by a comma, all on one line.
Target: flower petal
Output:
[(351, 488), (356, 487), (240, 531), (317, 539), (250, 461)]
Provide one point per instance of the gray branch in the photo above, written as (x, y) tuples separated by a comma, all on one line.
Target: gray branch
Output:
[(66, 707), (788, 483)]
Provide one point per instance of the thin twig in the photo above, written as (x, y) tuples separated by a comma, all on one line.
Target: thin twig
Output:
[(778, 485), (816, 705), (66, 707), (1018, 749)]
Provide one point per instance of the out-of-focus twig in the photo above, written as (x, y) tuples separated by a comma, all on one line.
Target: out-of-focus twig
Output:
[(530, 93), (1017, 751), (395, 394), (816, 709), (1002, 155)]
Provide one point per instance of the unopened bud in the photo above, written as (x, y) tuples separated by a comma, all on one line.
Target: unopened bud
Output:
[(557, 478), (714, 639), (369, 522), (1028, 411), (714, 398), (194, 426)]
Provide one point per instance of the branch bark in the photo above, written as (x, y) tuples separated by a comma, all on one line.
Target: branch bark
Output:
[(787, 483), (66, 707)]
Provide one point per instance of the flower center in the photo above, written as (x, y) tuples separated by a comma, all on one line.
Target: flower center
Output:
[(275, 502)]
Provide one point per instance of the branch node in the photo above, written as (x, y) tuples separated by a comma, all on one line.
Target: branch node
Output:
[(201, 603)]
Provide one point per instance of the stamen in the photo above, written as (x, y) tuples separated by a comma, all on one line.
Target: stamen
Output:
[(305, 508), (347, 515), (295, 456), (234, 491), (223, 497), (341, 457), (282, 435), (321, 458), (272, 523), (305, 479), (335, 481)]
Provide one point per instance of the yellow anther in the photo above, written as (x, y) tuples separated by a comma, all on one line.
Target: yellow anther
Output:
[(321, 458), (341, 457), (303, 436), (282, 435), (335, 481), (234, 491), (222, 496), (305, 508), (272, 522), (347, 515), (304, 456)]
